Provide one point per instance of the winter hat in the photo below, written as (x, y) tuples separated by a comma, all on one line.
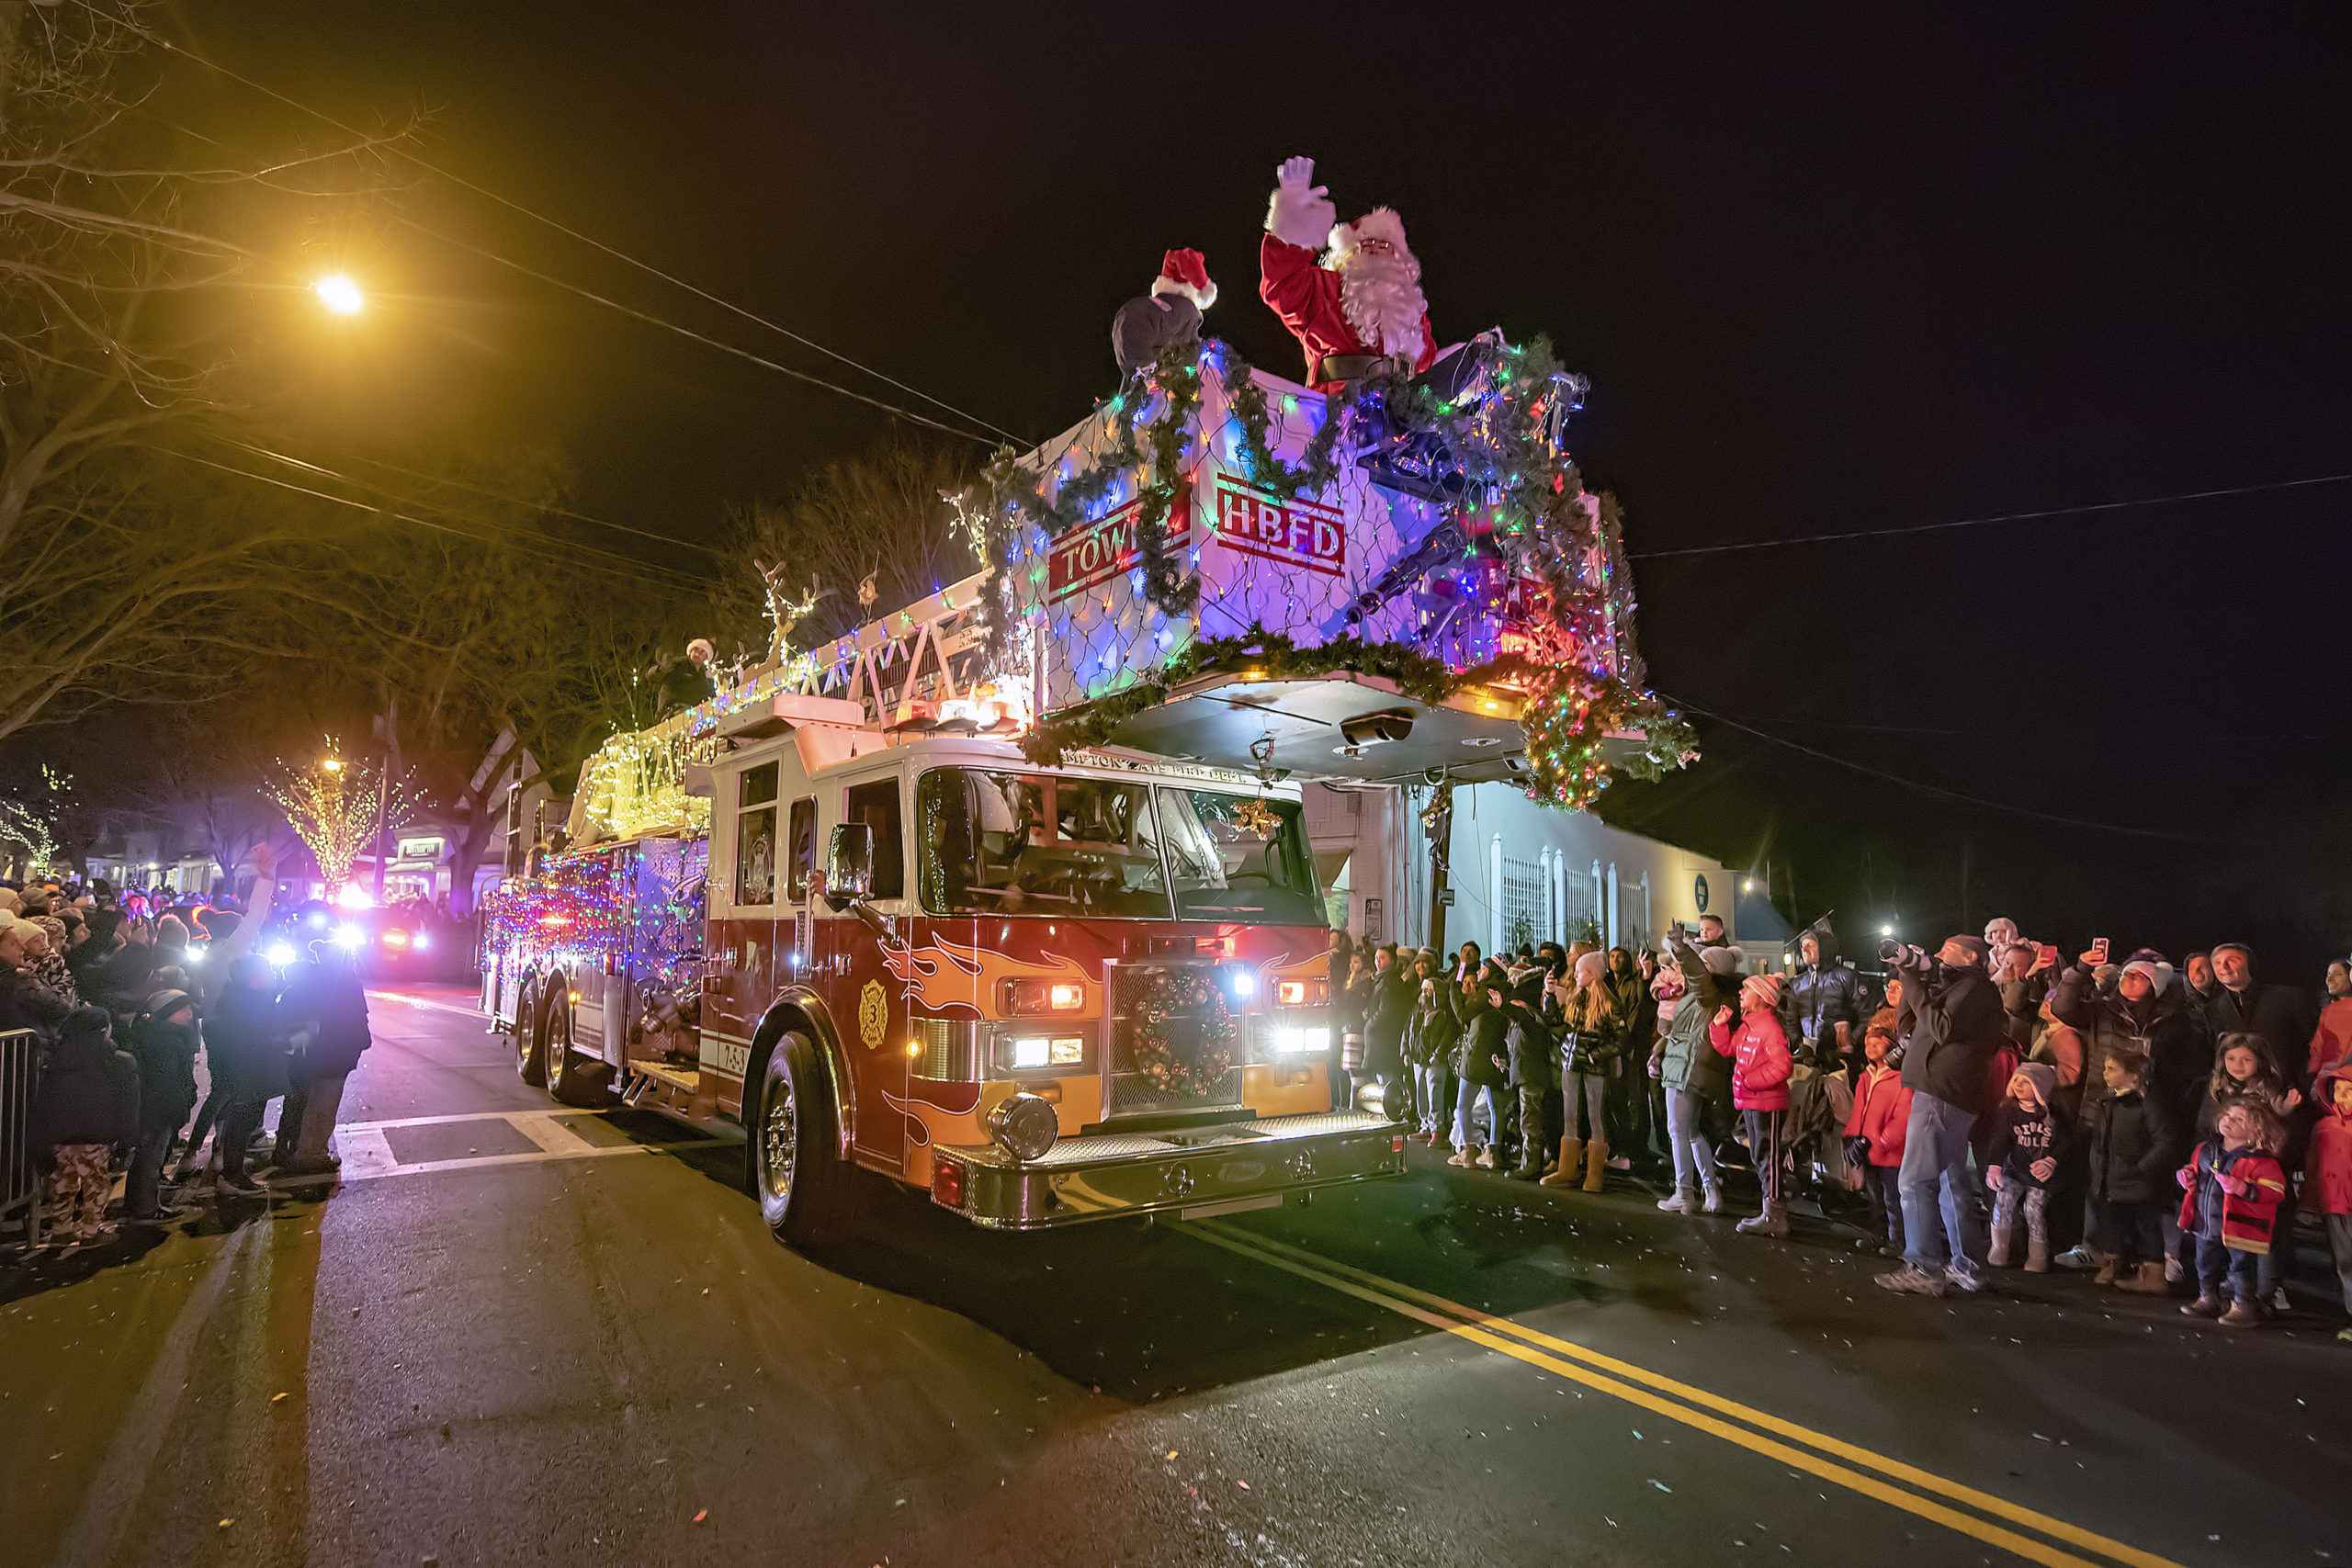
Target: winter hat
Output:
[(163, 1004), (1722, 960), (170, 932), (1186, 273), (1591, 968), (1972, 945), (55, 929), (1763, 989), (2043, 1077), (85, 1021), (9, 902), (2157, 972)]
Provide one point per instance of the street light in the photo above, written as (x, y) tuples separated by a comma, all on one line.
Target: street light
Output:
[(338, 293), (1886, 930), (332, 764)]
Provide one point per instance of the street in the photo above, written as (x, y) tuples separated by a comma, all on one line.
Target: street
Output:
[(516, 1333)]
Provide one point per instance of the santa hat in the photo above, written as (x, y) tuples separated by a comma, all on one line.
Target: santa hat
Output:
[(1186, 273)]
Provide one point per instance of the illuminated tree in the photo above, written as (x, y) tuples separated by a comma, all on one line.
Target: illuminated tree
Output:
[(337, 807)]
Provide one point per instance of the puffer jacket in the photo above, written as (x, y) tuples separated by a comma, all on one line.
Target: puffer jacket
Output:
[(1595, 1037), (328, 999), (89, 1090), (1822, 996), (166, 1056), (1485, 1036), (1686, 1060), (1431, 1035), (1881, 1114), (1758, 1049), (2163, 1030), (2327, 1171), (2136, 1143)]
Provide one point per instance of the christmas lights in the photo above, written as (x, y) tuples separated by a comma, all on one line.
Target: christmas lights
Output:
[(336, 806)]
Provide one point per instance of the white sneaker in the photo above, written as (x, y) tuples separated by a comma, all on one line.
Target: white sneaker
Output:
[(1714, 1203), (2172, 1270), (2279, 1302), (1459, 1156), (1674, 1203), (2078, 1256)]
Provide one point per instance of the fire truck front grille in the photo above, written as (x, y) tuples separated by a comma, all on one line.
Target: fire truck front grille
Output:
[(1126, 1092)]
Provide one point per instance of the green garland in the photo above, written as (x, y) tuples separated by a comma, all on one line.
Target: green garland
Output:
[(1176, 995), (1318, 464)]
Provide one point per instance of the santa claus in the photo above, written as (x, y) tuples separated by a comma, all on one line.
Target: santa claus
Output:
[(1357, 312)]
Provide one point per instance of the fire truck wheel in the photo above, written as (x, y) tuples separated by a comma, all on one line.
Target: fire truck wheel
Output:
[(558, 1066), (805, 1189), (530, 1062)]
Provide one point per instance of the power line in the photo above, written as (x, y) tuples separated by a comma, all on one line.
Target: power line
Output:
[(1935, 790), (548, 507), (610, 251), (629, 568), (1983, 522)]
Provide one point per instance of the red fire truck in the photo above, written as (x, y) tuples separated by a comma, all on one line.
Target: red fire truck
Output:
[(1046, 995)]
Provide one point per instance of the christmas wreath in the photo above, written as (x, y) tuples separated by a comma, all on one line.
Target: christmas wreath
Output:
[(1184, 1033)]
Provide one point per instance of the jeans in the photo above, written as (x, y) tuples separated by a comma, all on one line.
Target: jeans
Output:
[(143, 1191), (1881, 1187), (1764, 1147), (2273, 1266), (209, 1112), (1471, 1094), (1429, 1084), (238, 1122), (1591, 1091), (1686, 1137), (2217, 1261), (1935, 1166), (322, 1100)]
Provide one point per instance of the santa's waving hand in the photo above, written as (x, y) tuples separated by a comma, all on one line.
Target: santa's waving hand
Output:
[(1357, 312)]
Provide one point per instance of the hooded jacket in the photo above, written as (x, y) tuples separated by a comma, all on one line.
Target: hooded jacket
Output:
[(2022, 1138), (2327, 1172), (2135, 1140), (2242, 1220), (166, 1055), (1687, 1059), (1391, 1004), (1431, 1034), (2162, 1028), (1956, 1025), (244, 1041), (1758, 1049), (1486, 1034), (1881, 1113), (89, 1090), (1825, 994)]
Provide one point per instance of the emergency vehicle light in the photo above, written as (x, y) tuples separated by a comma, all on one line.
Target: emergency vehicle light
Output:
[(1302, 993), (1022, 998)]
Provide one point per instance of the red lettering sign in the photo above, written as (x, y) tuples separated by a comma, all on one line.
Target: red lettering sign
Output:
[(1298, 533), (1097, 552)]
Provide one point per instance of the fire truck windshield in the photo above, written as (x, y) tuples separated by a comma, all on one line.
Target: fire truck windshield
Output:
[(1017, 843)]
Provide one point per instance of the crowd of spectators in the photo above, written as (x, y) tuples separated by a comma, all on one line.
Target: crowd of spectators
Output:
[(1991, 1104), (142, 1013)]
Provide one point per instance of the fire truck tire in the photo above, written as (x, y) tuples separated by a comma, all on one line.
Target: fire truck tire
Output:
[(560, 1065), (807, 1191), (530, 1059)]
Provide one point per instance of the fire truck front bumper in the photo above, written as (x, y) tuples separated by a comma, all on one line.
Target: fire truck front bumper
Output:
[(1193, 1173)]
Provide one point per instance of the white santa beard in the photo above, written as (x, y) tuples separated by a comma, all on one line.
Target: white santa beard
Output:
[(1381, 296)]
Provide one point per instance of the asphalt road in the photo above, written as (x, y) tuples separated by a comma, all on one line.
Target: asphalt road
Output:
[(520, 1334)]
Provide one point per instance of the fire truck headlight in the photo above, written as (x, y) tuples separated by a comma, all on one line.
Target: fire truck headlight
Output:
[(1024, 1127), (1302, 1040)]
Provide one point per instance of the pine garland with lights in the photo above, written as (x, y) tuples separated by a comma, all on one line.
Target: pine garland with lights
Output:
[(1184, 1034), (1317, 467)]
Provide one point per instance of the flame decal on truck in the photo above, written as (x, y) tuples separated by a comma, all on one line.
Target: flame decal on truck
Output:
[(948, 975), (955, 1101)]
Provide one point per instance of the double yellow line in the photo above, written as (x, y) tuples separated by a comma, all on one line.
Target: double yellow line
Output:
[(1900, 1485)]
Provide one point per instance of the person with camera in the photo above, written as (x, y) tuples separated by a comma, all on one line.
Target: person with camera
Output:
[(1958, 1024)]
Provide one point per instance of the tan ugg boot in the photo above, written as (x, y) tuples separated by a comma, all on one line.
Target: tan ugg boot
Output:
[(2106, 1274), (1596, 1164), (2037, 1255), (2148, 1280), (1571, 1151), (2003, 1236)]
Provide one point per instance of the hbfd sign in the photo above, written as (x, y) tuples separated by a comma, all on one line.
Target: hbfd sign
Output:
[(1097, 552), (1298, 532)]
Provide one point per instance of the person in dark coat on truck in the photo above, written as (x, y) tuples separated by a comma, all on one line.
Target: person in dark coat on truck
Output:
[(1957, 1024)]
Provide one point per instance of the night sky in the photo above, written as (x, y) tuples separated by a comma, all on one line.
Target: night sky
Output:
[(1853, 271)]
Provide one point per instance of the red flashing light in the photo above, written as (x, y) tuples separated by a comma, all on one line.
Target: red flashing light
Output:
[(947, 1182)]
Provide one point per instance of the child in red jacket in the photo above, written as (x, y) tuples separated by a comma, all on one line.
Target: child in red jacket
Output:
[(2234, 1191), (1874, 1136), (2327, 1179), (1761, 1065)]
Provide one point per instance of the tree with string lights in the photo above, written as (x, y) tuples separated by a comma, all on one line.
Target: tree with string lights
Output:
[(337, 807)]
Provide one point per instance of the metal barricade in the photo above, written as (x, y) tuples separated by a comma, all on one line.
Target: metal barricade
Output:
[(20, 1079)]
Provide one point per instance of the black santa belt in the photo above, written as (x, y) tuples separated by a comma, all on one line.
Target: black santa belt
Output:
[(1360, 366)]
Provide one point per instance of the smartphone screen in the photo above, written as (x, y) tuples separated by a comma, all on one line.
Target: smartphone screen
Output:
[(2098, 945), (2048, 954)]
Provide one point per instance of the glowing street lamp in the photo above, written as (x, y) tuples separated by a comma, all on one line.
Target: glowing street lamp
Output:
[(338, 293)]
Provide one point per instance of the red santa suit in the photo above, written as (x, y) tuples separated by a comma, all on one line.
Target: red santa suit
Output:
[(1306, 296)]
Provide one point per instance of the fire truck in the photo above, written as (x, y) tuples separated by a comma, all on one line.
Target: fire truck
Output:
[(835, 905)]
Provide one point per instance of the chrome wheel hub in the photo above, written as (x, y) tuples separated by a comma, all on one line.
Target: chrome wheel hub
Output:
[(779, 1140)]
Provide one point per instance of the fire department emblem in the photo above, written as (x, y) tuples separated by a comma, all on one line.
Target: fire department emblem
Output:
[(873, 1013)]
